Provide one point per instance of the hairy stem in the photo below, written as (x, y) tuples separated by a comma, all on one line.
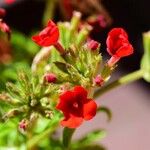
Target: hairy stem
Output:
[(122, 81), (36, 139)]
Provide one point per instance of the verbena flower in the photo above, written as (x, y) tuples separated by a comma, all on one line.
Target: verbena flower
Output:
[(9, 1), (48, 36), (76, 107), (118, 45)]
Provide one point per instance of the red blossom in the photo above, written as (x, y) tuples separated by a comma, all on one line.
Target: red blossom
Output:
[(9, 1), (76, 107), (48, 36), (118, 45)]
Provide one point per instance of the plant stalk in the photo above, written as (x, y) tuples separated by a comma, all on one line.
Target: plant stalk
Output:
[(122, 81)]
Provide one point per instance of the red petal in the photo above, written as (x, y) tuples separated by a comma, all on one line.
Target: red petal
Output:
[(80, 93), (89, 109), (65, 98), (51, 23), (125, 50), (72, 122), (48, 36)]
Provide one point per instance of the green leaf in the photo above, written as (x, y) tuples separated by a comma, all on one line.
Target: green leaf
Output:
[(62, 66), (145, 62), (90, 138), (105, 110), (67, 135), (91, 147)]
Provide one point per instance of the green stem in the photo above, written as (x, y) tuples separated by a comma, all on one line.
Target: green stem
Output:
[(67, 135), (122, 81), (36, 139), (49, 11)]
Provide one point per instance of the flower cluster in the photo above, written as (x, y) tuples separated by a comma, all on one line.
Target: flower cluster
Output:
[(75, 103)]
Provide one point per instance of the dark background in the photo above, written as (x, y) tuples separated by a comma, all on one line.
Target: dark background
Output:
[(132, 15)]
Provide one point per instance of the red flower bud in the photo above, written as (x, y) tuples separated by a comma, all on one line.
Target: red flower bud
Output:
[(50, 78), (5, 28), (23, 124), (99, 81), (2, 12), (102, 21), (48, 36), (76, 107), (93, 45), (118, 45)]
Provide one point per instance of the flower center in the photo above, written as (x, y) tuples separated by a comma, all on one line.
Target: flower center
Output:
[(75, 105)]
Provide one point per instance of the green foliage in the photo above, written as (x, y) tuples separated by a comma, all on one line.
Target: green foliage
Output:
[(91, 147), (105, 110), (88, 140), (67, 135)]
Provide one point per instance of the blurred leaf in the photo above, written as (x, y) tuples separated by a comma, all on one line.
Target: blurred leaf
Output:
[(90, 138), (67, 135), (105, 110), (90, 147)]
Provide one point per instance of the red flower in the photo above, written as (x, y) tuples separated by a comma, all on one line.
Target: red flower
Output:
[(118, 44), (76, 107), (9, 1), (48, 36)]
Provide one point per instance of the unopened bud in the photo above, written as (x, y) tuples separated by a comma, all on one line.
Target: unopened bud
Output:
[(99, 81), (49, 113), (93, 45), (23, 124), (5, 28), (2, 12), (50, 78)]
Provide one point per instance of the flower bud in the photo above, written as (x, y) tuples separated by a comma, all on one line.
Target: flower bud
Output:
[(5, 28), (23, 124), (99, 81), (50, 78), (93, 45), (2, 12)]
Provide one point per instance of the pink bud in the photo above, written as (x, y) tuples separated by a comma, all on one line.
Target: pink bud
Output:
[(5, 28), (102, 21), (2, 12), (23, 124), (50, 78), (99, 81), (93, 45)]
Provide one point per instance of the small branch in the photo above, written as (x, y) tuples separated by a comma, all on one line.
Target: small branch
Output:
[(49, 11), (122, 81), (36, 139)]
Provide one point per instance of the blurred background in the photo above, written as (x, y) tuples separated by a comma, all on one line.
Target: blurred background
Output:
[(129, 128)]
